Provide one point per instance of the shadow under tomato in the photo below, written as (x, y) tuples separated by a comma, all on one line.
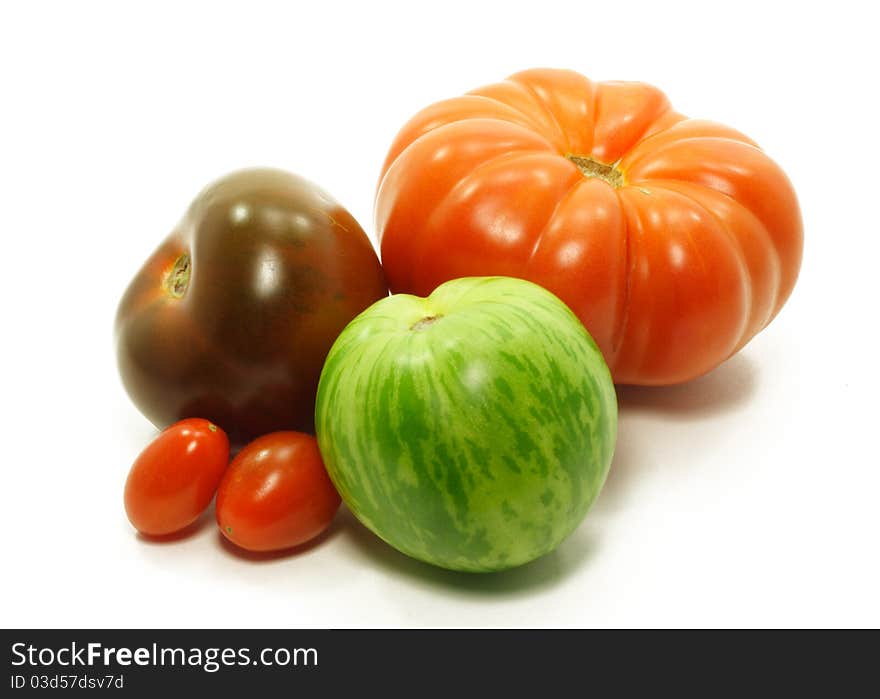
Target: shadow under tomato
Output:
[(721, 390), (658, 421), (545, 572), (227, 547)]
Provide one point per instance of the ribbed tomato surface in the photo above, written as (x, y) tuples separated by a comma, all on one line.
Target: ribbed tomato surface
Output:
[(674, 240)]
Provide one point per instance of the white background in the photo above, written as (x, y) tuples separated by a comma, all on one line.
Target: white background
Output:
[(748, 497)]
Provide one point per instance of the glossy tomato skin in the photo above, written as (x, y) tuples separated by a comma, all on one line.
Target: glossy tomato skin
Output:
[(472, 429), (674, 240), (276, 493), (174, 479), (233, 314)]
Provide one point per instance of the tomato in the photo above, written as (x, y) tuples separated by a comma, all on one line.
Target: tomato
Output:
[(276, 493), (472, 429), (674, 240), (174, 479), (232, 316)]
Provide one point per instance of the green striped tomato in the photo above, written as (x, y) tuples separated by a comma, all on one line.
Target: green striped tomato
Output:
[(471, 429)]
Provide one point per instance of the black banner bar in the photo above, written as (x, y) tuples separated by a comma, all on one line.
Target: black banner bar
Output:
[(424, 660)]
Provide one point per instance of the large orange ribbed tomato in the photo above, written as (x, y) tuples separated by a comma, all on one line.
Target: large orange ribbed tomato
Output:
[(674, 240)]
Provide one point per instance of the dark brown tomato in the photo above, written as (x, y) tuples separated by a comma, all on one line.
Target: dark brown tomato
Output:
[(232, 316)]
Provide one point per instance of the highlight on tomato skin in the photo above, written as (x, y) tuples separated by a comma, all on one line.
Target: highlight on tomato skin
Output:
[(276, 493), (174, 478)]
